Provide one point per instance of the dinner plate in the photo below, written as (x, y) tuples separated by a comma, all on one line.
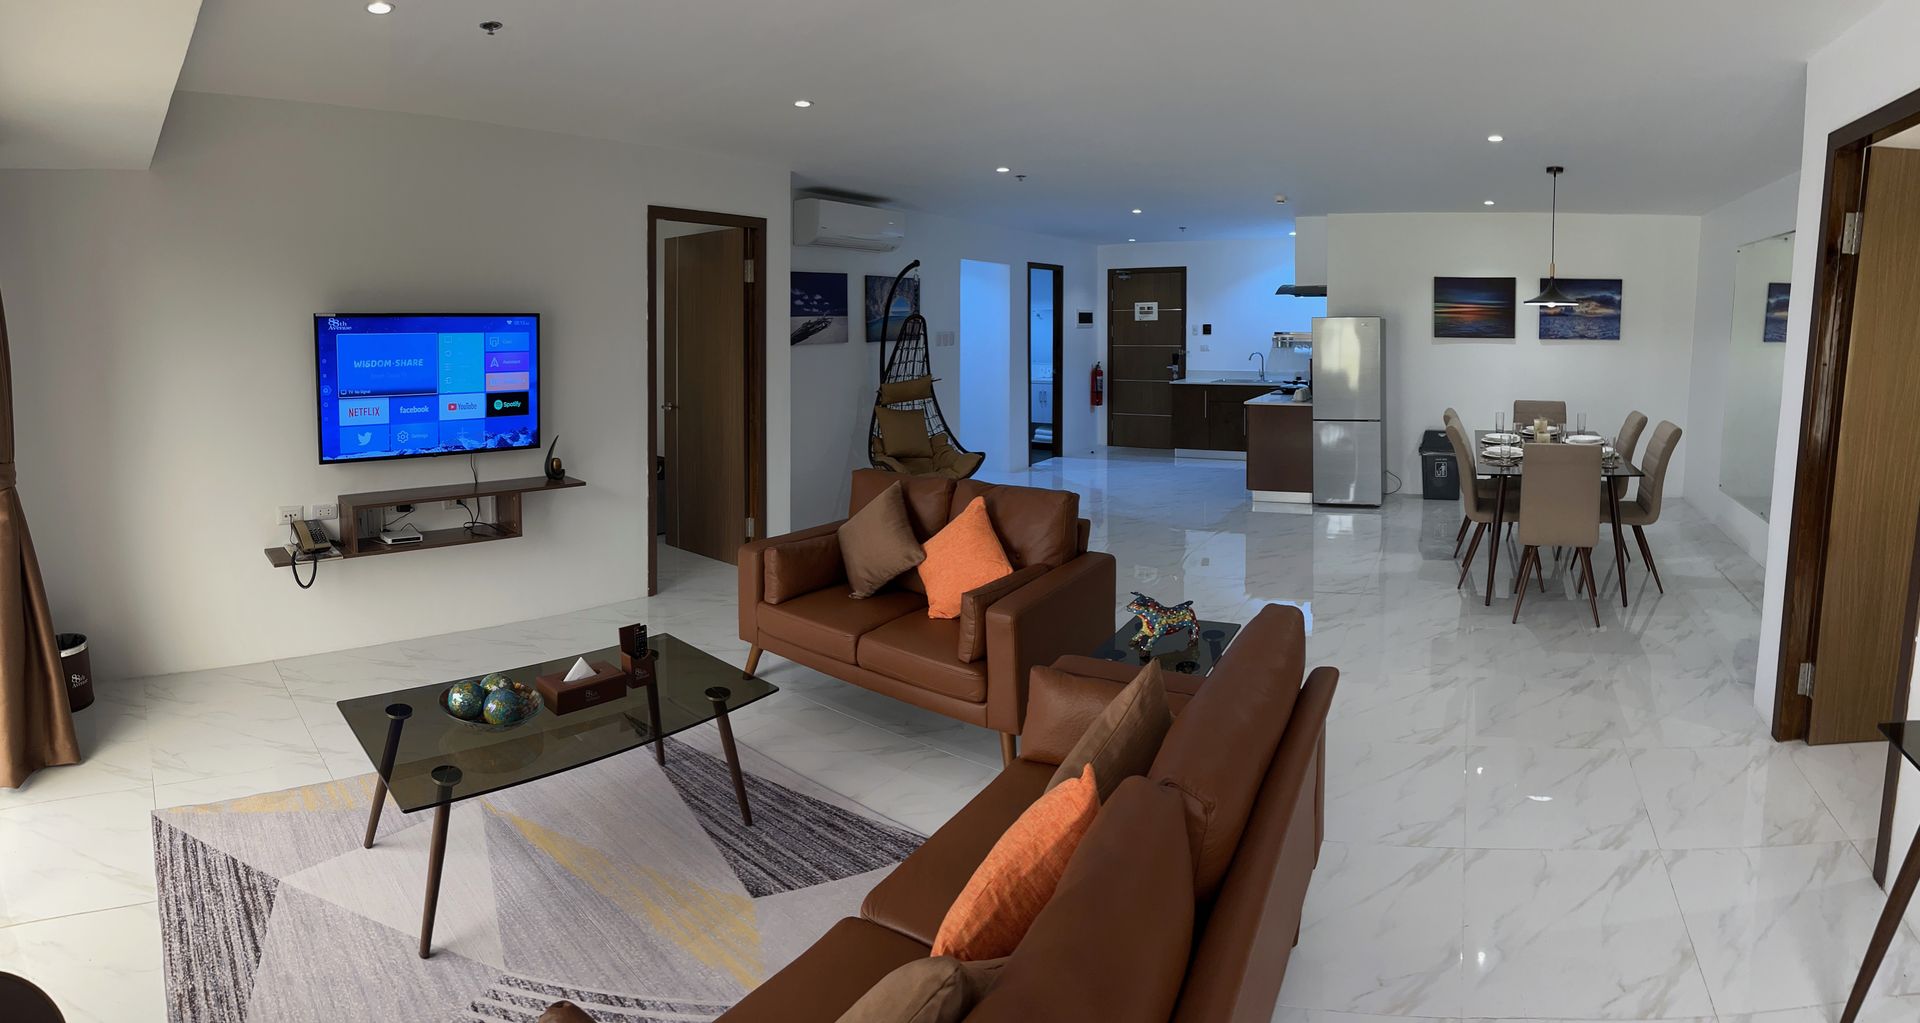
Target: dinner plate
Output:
[(1584, 438), (1500, 438), (1504, 452), (1528, 430)]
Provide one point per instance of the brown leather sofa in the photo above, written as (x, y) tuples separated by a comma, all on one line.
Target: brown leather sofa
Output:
[(1183, 901), (794, 601)]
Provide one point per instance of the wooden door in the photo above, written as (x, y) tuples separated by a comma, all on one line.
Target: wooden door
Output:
[(704, 392), (1139, 388), (1876, 487)]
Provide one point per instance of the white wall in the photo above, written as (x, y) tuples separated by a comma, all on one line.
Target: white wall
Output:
[(163, 365), (1230, 285), (833, 384), (1384, 265), (1762, 213), (986, 407), (1867, 67)]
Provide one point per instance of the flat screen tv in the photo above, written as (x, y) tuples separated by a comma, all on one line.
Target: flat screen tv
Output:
[(405, 386)]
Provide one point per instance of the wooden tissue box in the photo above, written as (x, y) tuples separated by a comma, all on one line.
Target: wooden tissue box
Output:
[(607, 683)]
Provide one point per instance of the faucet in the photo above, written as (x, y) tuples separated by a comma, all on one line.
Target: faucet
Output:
[(1262, 356)]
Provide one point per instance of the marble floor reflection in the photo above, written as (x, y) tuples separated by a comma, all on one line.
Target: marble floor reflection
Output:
[(1541, 821)]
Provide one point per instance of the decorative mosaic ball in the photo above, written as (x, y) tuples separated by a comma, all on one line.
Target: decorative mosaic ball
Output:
[(506, 706), (466, 700), (495, 680)]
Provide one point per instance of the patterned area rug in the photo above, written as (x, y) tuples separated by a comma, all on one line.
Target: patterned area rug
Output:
[(630, 889)]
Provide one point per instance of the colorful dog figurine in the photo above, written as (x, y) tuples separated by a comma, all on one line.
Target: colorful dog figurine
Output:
[(1158, 621)]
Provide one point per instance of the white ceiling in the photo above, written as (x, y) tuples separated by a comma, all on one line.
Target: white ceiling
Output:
[(1195, 112), (86, 83)]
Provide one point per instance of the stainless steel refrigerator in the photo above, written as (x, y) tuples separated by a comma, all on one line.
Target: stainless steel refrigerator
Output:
[(1349, 451)]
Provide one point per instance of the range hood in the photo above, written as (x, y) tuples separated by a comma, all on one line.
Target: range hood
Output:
[(1302, 290)]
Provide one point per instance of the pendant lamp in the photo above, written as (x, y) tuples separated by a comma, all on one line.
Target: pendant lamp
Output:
[(1552, 296)]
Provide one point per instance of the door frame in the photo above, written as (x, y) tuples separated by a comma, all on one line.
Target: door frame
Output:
[(1059, 356), (756, 362), (1106, 300)]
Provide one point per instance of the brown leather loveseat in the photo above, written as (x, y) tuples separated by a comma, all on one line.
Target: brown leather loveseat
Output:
[(795, 601), (1183, 901)]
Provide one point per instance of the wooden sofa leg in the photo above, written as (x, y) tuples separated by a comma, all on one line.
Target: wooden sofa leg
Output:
[(1008, 749), (753, 663)]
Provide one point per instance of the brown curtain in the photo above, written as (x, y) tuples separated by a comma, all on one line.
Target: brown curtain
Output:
[(36, 728)]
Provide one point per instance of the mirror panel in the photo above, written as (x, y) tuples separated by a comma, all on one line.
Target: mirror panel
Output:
[(1762, 271)]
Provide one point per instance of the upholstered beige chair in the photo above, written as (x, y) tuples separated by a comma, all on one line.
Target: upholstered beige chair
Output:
[(1560, 513), (1487, 490), (1625, 442), (1644, 509), (1528, 411), (1476, 503)]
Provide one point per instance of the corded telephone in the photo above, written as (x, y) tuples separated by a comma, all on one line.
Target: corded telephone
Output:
[(310, 537)]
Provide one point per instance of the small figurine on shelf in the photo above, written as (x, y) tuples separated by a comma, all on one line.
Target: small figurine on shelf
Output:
[(1158, 621)]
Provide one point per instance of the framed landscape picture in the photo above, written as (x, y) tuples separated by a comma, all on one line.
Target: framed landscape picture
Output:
[(1773, 329), (905, 301), (817, 311), (1595, 318), (1473, 307)]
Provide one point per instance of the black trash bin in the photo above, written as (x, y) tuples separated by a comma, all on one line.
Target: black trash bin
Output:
[(78, 670), (1439, 476)]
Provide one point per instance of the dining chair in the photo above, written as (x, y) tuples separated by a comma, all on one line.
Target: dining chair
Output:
[(1559, 512), (1476, 505), (1485, 489), (1625, 442), (1644, 509), (1527, 411)]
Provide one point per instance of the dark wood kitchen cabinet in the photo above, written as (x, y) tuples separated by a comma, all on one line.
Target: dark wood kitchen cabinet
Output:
[(1212, 417)]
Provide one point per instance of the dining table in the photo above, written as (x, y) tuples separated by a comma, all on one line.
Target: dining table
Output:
[(1504, 470)]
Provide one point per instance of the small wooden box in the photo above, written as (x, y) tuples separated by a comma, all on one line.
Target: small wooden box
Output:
[(607, 683)]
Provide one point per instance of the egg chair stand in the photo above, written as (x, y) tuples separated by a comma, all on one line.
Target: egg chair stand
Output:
[(907, 431)]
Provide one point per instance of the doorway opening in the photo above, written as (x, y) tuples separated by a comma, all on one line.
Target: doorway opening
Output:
[(706, 383), (987, 411), (1044, 342)]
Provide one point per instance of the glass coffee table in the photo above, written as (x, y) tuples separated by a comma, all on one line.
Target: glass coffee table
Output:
[(1188, 655), (1905, 737), (426, 758)]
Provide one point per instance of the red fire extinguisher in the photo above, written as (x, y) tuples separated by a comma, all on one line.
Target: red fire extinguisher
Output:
[(1099, 385)]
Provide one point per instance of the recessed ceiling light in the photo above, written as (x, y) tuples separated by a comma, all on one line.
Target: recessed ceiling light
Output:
[(1496, 138), (1486, 202), (1136, 211), (379, 7), (1290, 234), (1002, 170), (803, 103), (1133, 239)]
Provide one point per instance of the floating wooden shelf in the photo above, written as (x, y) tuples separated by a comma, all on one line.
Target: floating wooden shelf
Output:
[(506, 524)]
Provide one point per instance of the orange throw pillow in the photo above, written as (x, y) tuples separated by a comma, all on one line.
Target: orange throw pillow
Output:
[(1015, 881), (964, 554)]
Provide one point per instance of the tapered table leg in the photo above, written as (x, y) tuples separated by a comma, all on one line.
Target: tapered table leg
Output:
[(653, 720), (719, 694), (397, 715), (1897, 899), (1619, 542), (1493, 549), (445, 778)]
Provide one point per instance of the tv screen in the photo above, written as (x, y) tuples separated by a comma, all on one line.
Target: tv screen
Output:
[(410, 386)]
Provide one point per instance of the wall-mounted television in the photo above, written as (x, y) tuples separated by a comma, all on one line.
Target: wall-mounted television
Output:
[(410, 386)]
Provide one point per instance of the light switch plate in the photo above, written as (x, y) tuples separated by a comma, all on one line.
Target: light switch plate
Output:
[(943, 339)]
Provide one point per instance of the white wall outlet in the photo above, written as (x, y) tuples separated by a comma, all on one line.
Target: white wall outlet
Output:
[(323, 511), (943, 339), (1206, 348), (1196, 330), (288, 513)]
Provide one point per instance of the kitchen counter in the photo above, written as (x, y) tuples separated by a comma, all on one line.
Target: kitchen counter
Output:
[(1280, 449), (1276, 398), (1228, 378)]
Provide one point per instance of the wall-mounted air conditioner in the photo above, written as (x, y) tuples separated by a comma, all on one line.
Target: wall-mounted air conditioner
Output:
[(847, 226)]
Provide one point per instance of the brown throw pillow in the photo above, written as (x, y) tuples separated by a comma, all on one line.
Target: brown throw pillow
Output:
[(1126, 736), (903, 432), (940, 989), (877, 543)]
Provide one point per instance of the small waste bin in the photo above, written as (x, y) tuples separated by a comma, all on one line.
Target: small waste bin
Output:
[(1439, 476), (77, 669)]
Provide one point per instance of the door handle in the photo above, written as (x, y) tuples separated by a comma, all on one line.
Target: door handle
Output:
[(669, 407)]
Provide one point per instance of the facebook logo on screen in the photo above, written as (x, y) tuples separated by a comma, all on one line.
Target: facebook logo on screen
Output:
[(411, 410)]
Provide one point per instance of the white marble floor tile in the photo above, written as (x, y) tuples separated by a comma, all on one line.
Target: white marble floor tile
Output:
[(1381, 933), (1877, 1009), (1586, 934), (1848, 778), (75, 856), (1784, 928), (1395, 793), (309, 769), (1526, 797), (98, 967), (1726, 798), (118, 757)]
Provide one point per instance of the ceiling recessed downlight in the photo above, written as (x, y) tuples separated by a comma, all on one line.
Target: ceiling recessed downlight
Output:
[(1133, 239), (1002, 170), (1136, 211), (1291, 234), (379, 7), (803, 103), (1496, 138), (1486, 202)]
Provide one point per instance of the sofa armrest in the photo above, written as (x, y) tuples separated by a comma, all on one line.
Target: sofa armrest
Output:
[(1060, 708), (974, 604), (1070, 610), (753, 574)]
